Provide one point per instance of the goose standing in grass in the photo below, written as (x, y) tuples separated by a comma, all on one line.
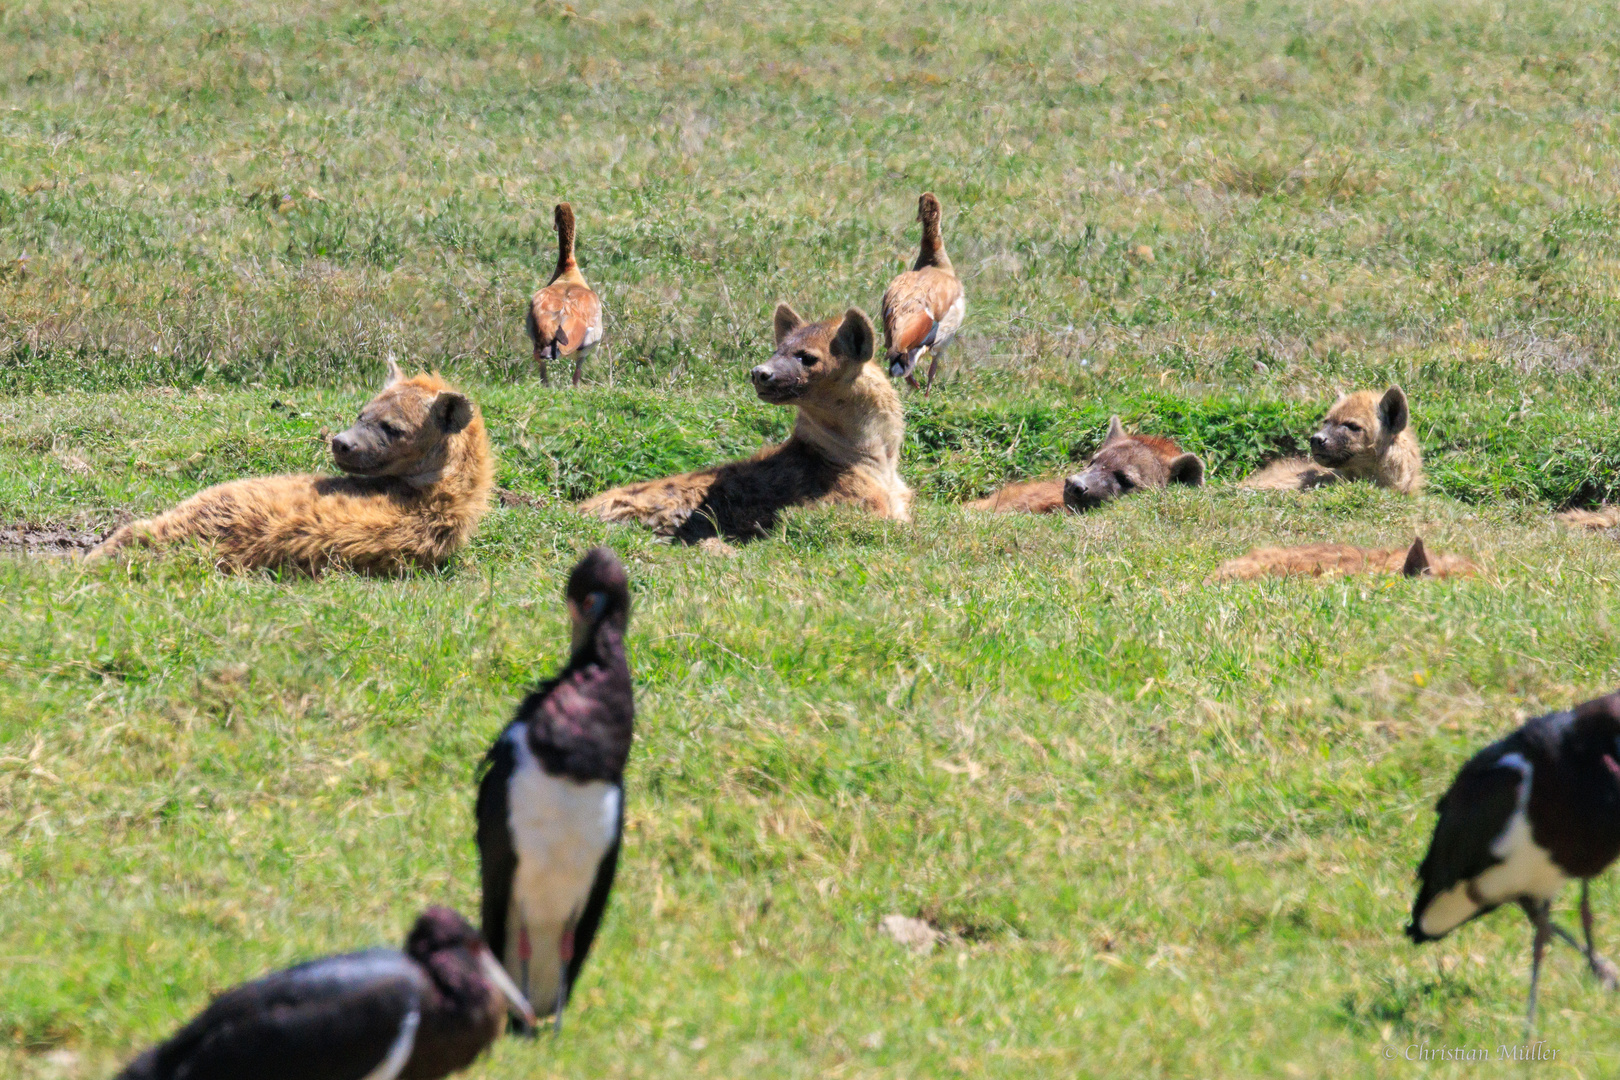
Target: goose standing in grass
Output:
[(375, 1015), (551, 801), (565, 317), (923, 307), (1525, 816)]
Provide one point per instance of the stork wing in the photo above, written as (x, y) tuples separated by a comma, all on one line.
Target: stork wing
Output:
[(1473, 814), (497, 856), (343, 1018)]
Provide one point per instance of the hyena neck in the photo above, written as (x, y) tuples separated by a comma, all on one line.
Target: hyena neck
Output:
[(933, 250), (863, 426), (465, 476)]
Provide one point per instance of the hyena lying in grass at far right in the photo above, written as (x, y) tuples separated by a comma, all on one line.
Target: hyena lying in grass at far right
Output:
[(1364, 437)]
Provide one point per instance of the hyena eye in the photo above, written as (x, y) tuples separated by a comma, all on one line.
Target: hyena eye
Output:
[(389, 430), (807, 359), (1125, 483), (1348, 426)]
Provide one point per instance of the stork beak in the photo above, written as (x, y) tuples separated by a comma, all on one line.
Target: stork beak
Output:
[(496, 974)]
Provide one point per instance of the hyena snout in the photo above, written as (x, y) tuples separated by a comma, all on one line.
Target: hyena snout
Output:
[(357, 452), (776, 382), (1081, 492)]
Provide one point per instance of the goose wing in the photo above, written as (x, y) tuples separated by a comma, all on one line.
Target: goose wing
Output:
[(566, 314)]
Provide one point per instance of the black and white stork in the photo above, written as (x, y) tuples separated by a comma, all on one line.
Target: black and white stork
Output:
[(1525, 816), (551, 801), (375, 1015)]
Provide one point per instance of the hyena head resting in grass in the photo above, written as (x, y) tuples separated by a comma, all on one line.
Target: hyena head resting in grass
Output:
[(1369, 437), (1365, 436), (419, 474), (1127, 463), (845, 445), (1123, 464)]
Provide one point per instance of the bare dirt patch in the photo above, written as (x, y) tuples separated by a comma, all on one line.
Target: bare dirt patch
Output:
[(24, 538)]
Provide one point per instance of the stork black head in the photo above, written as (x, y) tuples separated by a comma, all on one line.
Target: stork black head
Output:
[(1595, 731), (456, 958), (598, 594)]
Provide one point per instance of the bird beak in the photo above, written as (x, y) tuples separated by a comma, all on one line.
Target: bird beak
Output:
[(496, 974)]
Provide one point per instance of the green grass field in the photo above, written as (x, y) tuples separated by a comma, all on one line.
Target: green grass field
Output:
[(1168, 827)]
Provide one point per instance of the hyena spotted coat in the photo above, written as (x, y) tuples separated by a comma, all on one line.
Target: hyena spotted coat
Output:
[(845, 445), (419, 476), (1123, 464), (1364, 437)]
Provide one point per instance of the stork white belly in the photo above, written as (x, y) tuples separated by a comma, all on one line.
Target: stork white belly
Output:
[(561, 829)]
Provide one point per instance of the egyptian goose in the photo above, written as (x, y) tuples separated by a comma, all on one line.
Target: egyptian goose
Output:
[(565, 317), (551, 800), (923, 307), (1525, 816), (375, 1015)]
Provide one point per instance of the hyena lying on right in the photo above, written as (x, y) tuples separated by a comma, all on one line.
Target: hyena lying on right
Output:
[(1365, 437), (1320, 560)]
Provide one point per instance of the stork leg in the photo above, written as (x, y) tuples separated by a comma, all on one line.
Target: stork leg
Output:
[(1604, 970), (525, 952), (565, 956), (1538, 914)]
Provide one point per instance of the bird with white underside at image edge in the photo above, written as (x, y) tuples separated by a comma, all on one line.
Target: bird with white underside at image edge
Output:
[(381, 1014), (551, 800), (923, 307), (1525, 816)]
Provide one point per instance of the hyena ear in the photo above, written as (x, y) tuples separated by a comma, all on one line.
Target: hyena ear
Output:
[(1392, 411), (787, 321), (394, 374), (451, 411), (1116, 431), (1187, 469), (855, 337), (1417, 560)]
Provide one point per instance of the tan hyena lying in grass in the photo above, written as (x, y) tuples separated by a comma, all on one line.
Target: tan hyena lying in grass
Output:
[(419, 477), (1320, 560), (1123, 464), (845, 445), (1365, 437)]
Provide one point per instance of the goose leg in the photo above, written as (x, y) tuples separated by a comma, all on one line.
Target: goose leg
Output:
[(540, 361), (933, 366)]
